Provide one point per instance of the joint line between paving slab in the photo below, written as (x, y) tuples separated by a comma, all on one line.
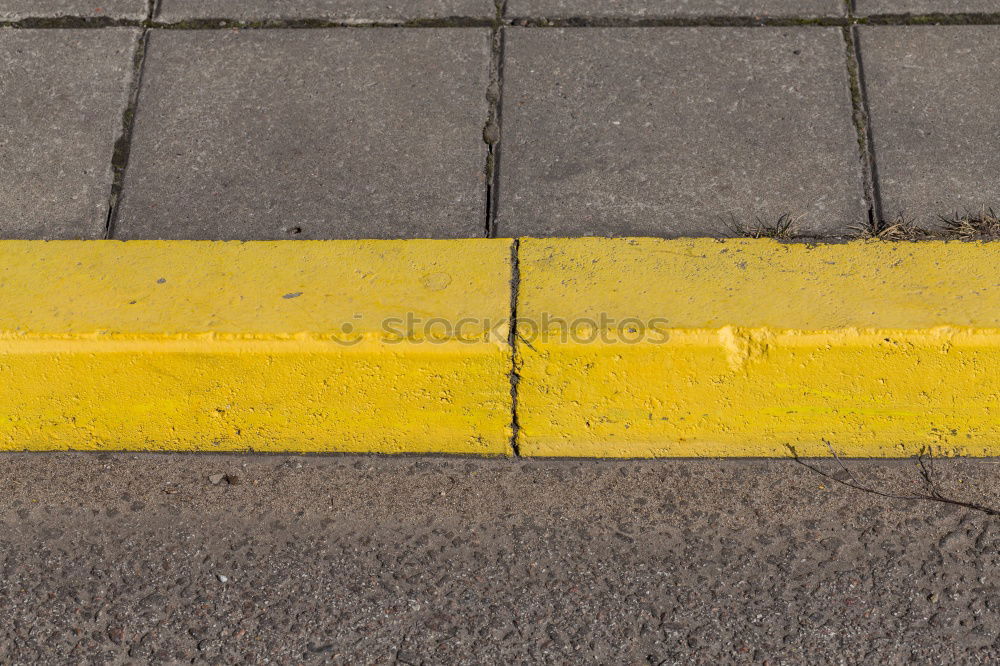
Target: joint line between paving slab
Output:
[(877, 217), (515, 372), (492, 132), (96, 22), (123, 145), (152, 22), (967, 18), (673, 21), (859, 119), (755, 21)]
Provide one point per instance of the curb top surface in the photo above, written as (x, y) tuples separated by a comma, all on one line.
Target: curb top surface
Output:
[(706, 283), (258, 288)]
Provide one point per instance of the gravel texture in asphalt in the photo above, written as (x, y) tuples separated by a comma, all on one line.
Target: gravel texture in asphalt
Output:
[(118, 558)]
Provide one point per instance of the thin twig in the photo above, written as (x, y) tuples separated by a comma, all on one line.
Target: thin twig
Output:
[(841, 463), (855, 486), (926, 473)]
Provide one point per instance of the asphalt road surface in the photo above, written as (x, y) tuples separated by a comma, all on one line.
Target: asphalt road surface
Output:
[(123, 558)]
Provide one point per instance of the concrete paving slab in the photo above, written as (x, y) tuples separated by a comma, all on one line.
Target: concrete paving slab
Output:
[(123, 558), (64, 93), (674, 8), (345, 10), (15, 10), (869, 7), (674, 131), (936, 142), (271, 134)]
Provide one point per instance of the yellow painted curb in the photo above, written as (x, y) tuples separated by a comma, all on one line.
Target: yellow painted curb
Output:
[(625, 347), (644, 347), (382, 346)]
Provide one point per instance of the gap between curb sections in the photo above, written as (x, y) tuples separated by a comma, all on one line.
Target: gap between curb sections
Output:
[(622, 348)]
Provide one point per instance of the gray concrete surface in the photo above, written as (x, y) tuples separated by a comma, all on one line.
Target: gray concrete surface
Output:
[(15, 10), (344, 133), (672, 131), (126, 559), (868, 7), (936, 143), (63, 95), (673, 8), (345, 10)]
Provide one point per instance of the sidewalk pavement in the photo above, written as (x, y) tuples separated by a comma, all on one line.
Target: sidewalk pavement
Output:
[(451, 121)]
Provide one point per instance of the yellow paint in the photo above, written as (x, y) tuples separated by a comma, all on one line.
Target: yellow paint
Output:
[(269, 346), (879, 349), (746, 348)]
